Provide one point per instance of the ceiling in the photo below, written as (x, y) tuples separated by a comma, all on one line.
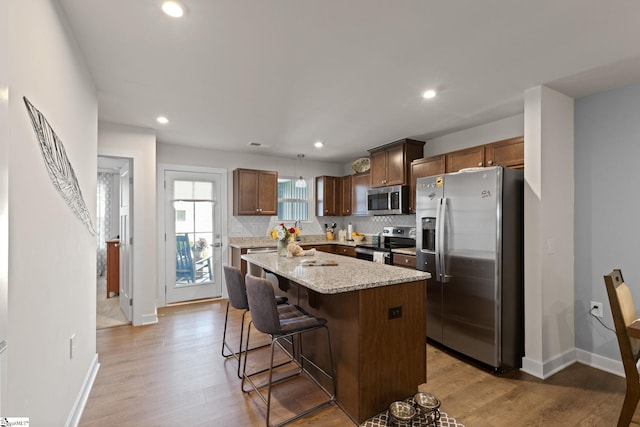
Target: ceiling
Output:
[(286, 73)]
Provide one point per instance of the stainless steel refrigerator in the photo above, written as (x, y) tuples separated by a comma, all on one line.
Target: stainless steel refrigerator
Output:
[(469, 227)]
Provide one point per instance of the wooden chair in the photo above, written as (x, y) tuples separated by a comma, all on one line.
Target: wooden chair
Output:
[(627, 324)]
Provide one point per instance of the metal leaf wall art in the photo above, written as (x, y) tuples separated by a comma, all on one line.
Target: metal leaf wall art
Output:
[(58, 166)]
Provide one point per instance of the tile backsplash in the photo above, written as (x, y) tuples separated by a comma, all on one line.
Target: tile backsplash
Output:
[(259, 226)]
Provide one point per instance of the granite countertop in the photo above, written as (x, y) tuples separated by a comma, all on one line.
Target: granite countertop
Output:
[(268, 242), (351, 274)]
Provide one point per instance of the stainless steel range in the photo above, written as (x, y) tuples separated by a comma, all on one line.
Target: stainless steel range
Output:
[(391, 238)]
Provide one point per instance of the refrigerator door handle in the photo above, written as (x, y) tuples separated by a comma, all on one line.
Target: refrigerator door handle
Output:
[(444, 277), (437, 242)]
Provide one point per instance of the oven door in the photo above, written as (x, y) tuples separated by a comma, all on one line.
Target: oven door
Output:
[(367, 254)]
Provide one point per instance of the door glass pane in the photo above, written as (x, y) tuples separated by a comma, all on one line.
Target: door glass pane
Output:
[(194, 219)]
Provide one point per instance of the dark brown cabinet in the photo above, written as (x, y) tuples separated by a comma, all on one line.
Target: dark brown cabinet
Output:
[(403, 260), (342, 196), (345, 250), (345, 183), (427, 166), (508, 153), (328, 196), (321, 248), (469, 158), (390, 164), (255, 192), (359, 186)]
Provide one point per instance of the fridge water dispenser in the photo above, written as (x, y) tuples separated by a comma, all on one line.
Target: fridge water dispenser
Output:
[(429, 234)]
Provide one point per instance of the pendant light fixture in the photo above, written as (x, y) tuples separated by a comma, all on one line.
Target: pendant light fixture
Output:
[(300, 182)]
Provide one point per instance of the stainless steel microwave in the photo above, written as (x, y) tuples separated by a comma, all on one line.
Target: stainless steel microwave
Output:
[(392, 200)]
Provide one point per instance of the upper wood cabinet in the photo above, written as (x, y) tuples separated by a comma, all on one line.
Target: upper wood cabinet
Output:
[(427, 166), (345, 183), (469, 158), (255, 192), (359, 186), (390, 163), (328, 196), (508, 152)]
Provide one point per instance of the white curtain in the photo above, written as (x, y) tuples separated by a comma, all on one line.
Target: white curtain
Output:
[(105, 196)]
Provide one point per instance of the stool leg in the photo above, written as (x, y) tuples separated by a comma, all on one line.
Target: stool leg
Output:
[(224, 332)]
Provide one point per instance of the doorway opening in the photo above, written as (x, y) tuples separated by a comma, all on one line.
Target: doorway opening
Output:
[(194, 209), (113, 191)]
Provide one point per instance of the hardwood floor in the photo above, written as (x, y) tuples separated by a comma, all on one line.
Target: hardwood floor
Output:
[(172, 374)]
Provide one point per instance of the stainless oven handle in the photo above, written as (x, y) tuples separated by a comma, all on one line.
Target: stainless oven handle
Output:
[(364, 251), (371, 252)]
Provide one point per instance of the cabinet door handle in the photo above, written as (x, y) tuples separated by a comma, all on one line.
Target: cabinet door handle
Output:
[(480, 164), (490, 162)]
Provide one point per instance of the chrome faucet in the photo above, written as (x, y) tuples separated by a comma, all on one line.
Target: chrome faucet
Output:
[(298, 225)]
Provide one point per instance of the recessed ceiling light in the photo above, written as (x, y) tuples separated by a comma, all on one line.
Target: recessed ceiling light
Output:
[(428, 94), (162, 120), (318, 144), (173, 8)]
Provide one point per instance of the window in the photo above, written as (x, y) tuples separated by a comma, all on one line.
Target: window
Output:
[(293, 202)]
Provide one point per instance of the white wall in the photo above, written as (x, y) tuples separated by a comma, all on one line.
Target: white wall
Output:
[(139, 145), (4, 201), (498, 130), (242, 226), (52, 263), (549, 247), (607, 130)]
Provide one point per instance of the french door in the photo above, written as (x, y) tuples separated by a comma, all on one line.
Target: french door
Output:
[(193, 235)]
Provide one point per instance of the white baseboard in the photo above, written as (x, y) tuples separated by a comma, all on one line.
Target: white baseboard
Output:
[(78, 406), (600, 362), (149, 319), (545, 369), (550, 367)]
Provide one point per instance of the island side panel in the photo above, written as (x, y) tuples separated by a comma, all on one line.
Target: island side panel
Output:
[(392, 351), (341, 312)]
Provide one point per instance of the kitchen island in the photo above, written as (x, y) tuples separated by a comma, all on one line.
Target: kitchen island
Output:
[(376, 316)]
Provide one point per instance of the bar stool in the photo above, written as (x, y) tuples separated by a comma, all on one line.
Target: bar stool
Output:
[(282, 322), (238, 300)]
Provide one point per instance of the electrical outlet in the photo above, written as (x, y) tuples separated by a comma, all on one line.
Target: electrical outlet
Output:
[(72, 346), (596, 309), (395, 312)]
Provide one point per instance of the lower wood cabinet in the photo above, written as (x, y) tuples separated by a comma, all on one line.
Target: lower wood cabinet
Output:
[(403, 260), (345, 250), (322, 248)]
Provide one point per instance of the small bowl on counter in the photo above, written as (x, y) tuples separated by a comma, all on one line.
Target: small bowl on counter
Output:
[(357, 239)]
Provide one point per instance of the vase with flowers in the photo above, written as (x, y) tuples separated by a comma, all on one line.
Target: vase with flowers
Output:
[(199, 248), (284, 235)]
